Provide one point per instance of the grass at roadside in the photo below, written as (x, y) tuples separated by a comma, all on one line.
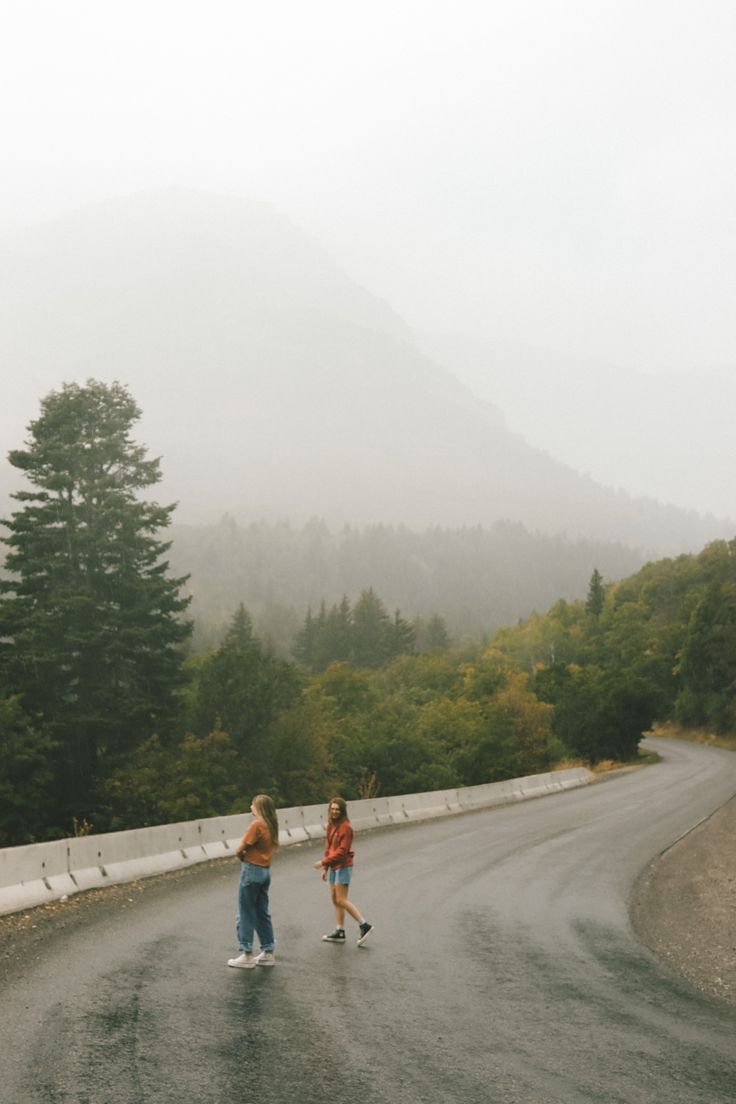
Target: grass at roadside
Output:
[(604, 766), (694, 735), (646, 757)]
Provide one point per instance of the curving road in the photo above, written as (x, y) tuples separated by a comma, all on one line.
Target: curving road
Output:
[(502, 970)]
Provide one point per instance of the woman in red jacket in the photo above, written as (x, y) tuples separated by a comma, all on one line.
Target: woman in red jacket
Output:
[(337, 866)]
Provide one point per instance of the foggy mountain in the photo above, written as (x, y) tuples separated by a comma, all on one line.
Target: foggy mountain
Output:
[(274, 386), (627, 428)]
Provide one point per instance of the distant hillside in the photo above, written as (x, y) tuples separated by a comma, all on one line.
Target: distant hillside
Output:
[(272, 385), (627, 428), (476, 579)]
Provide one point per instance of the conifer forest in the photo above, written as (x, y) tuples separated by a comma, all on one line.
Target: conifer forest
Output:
[(126, 702)]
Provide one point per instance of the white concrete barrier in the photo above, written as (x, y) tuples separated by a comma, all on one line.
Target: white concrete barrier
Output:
[(34, 874), (41, 872), (372, 812), (291, 826), (315, 820), (433, 803)]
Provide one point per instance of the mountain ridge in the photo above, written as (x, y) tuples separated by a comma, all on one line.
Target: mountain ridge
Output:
[(273, 385)]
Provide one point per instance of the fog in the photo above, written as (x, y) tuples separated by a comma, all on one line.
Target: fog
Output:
[(542, 192)]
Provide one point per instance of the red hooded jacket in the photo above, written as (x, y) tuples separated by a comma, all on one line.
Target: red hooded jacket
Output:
[(338, 853)]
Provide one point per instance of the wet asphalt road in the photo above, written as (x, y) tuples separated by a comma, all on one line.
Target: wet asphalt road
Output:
[(502, 970)]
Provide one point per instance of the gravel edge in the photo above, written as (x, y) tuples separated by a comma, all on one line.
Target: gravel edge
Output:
[(683, 906)]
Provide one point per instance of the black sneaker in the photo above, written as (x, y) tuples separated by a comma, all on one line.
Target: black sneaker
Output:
[(338, 936), (365, 931)]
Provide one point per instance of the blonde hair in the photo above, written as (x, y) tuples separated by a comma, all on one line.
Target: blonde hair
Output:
[(266, 810)]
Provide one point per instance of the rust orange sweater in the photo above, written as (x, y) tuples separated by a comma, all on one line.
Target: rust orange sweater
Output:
[(256, 846)]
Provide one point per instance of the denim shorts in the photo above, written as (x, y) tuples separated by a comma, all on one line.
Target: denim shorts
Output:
[(342, 875)]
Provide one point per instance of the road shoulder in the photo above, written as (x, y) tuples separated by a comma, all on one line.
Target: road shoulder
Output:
[(683, 906)]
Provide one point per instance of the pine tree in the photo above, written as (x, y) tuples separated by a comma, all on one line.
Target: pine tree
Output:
[(303, 648), (596, 594), (337, 635), (372, 631), (26, 757), (438, 638), (433, 635), (403, 637), (242, 688), (90, 624)]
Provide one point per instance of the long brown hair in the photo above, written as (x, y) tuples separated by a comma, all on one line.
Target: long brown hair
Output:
[(266, 810), (343, 805)]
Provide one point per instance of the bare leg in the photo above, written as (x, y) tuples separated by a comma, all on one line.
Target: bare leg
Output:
[(339, 908), (342, 905)]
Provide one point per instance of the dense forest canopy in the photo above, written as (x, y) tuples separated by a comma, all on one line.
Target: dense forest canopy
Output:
[(109, 719), (477, 579)]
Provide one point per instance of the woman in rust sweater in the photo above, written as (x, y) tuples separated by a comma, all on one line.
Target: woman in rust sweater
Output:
[(337, 866), (255, 851)]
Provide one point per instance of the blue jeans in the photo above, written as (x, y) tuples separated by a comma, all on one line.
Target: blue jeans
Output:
[(253, 914)]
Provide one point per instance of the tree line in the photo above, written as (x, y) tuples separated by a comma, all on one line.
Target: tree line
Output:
[(476, 578), (110, 719), (364, 634), (660, 644)]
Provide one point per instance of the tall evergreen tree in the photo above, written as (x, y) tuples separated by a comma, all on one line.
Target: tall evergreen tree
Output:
[(372, 631), (438, 638), (305, 642), (91, 626), (242, 689), (596, 594), (402, 637), (337, 644), (26, 758)]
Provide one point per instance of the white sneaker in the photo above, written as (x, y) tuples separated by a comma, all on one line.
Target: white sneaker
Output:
[(265, 958), (244, 961)]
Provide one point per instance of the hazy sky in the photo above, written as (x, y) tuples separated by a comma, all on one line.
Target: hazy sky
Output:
[(558, 175)]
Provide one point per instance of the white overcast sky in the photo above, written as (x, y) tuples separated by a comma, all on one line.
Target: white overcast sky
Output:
[(561, 174)]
